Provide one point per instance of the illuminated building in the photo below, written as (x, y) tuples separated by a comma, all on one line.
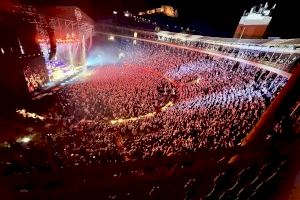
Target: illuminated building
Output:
[(166, 10), (254, 24)]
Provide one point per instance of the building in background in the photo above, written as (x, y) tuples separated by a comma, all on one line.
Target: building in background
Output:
[(254, 24), (166, 10)]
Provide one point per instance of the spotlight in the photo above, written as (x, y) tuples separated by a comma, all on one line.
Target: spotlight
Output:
[(126, 14), (111, 38)]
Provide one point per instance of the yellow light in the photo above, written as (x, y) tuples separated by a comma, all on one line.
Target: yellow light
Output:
[(57, 75), (26, 114), (113, 121), (169, 104), (25, 139), (152, 114)]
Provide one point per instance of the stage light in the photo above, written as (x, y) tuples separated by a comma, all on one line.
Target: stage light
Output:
[(115, 12), (121, 55), (126, 14), (57, 75)]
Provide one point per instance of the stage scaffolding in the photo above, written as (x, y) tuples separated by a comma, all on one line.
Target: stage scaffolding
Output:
[(68, 23)]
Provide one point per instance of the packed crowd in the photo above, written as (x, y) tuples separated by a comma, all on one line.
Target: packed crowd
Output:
[(215, 103), (35, 78)]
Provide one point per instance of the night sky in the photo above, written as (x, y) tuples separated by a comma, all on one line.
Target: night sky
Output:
[(210, 17)]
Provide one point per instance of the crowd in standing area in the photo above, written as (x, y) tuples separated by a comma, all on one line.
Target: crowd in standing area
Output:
[(215, 103)]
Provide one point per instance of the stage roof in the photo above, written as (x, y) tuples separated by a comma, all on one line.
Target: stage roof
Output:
[(72, 13)]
